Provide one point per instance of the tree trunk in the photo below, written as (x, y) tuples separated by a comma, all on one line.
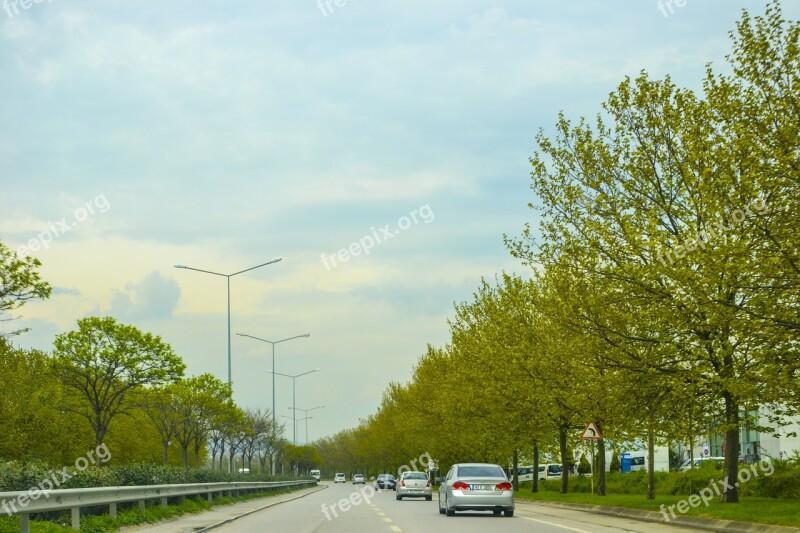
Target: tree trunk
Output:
[(535, 479), (651, 460), (165, 443), (185, 453), (601, 462), (515, 475), (731, 492), (562, 443)]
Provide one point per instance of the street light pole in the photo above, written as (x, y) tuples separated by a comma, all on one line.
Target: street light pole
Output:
[(306, 411), (294, 410), (229, 276), (273, 343)]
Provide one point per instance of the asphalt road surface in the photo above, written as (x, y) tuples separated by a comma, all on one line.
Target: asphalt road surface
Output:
[(370, 511)]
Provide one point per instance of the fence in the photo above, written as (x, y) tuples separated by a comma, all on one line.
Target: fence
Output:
[(21, 504)]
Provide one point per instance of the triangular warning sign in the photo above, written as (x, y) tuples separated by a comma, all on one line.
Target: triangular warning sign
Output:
[(591, 432)]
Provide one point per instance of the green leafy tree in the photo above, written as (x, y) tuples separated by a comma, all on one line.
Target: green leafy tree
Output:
[(20, 282), (104, 363), (678, 213)]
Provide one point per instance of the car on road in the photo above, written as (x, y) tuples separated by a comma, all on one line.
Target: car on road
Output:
[(476, 487), (414, 485), (358, 478), (316, 474), (385, 481), (339, 478)]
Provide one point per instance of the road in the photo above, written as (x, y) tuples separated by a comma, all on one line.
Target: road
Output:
[(380, 512)]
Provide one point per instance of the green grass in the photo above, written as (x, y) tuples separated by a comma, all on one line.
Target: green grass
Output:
[(749, 509), (132, 516)]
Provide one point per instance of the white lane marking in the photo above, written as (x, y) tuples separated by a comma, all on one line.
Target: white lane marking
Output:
[(387, 519), (555, 525), (395, 528)]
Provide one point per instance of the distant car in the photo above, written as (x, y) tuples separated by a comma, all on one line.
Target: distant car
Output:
[(358, 478), (718, 461), (316, 474), (339, 478), (476, 487), (385, 481), (414, 484)]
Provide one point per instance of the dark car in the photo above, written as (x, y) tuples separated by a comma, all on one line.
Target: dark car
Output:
[(385, 481)]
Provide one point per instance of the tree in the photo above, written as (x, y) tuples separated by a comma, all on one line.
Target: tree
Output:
[(105, 363), (679, 210), (198, 402), (34, 427), (160, 406), (19, 282)]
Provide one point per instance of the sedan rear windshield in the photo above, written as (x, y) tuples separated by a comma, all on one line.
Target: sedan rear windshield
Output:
[(415, 475), (480, 471)]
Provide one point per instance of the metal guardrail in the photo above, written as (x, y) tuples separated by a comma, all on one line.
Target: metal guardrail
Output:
[(24, 503)]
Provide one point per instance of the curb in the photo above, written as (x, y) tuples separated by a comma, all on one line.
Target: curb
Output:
[(267, 506), (708, 524)]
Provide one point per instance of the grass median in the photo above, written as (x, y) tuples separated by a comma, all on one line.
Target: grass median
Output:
[(782, 512)]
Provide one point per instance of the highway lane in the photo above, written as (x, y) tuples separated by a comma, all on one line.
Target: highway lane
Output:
[(360, 509)]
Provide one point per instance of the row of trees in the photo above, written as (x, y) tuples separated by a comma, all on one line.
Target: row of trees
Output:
[(125, 386), (663, 299)]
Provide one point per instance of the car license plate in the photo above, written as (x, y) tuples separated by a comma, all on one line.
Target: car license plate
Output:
[(481, 487)]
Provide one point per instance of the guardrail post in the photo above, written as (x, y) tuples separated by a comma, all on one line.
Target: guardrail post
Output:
[(211, 496), (164, 503), (76, 518), (24, 524), (112, 510), (142, 505)]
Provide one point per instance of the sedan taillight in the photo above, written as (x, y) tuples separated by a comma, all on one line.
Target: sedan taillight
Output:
[(403, 483), (460, 485), (429, 483), (503, 486)]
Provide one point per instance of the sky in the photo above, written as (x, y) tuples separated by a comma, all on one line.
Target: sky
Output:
[(380, 149)]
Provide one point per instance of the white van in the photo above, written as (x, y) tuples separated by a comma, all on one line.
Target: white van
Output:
[(546, 471), (315, 474)]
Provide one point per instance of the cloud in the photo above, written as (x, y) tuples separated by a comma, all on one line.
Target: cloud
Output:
[(154, 297), (66, 291)]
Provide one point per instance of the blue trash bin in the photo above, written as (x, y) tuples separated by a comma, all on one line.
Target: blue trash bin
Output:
[(625, 462)]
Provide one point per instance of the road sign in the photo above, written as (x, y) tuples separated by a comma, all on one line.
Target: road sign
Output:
[(591, 432)]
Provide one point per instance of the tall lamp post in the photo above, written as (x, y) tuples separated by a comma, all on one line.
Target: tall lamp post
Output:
[(228, 277), (306, 411), (300, 420), (273, 343), (294, 411)]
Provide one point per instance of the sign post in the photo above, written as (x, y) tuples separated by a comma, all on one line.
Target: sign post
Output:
[(591, 433)]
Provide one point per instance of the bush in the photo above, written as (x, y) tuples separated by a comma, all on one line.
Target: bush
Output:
[(784, 482), (615, 464), (584, 467), (24, 477)]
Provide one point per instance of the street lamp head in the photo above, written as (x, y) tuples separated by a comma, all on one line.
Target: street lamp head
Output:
[(179, 266)]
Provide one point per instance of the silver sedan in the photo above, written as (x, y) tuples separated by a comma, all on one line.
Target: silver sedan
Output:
[(414, 484), (476, 487)]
